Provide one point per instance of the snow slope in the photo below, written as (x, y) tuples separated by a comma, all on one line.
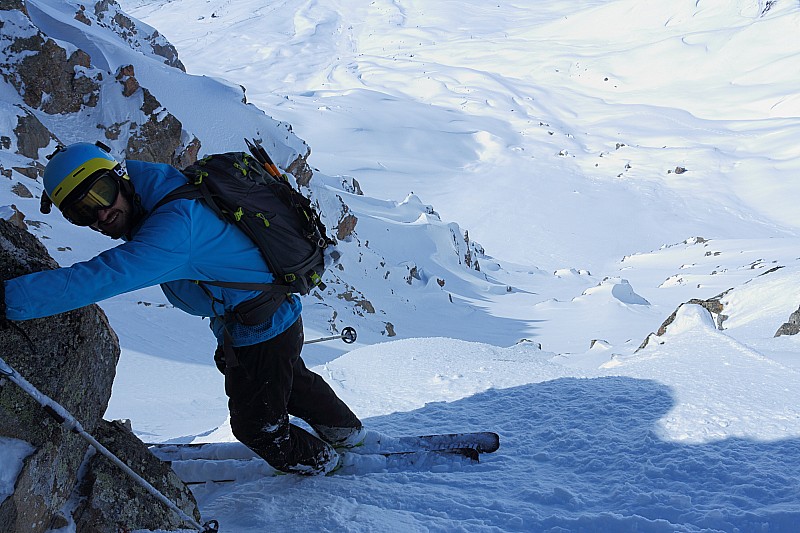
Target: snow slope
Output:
[(580, 115), (692, 435), (558, 136)]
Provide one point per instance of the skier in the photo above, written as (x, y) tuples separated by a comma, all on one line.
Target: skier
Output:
[(179, 245)]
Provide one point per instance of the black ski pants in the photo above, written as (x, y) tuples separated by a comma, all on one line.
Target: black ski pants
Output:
[(271, 382)]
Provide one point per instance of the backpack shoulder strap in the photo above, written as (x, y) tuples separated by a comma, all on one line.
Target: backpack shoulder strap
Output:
[(187, 190), (251, 312)]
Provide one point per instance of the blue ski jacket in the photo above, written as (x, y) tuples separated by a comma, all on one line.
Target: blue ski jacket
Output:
[(181, 242)]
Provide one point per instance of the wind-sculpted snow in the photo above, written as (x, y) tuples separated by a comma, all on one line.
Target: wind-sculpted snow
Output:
[(563, 113), (722, 387)]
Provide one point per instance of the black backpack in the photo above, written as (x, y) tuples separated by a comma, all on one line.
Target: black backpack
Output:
[(249, 191)]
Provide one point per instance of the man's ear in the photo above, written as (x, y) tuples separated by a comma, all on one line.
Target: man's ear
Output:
[(45, 204)]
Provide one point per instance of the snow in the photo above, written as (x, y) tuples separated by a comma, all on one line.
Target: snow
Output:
[(12, 454), (579, 454), (473, 110), (553, 134)]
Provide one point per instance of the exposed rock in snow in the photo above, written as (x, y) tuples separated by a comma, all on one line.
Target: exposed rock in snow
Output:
[(791, 326)]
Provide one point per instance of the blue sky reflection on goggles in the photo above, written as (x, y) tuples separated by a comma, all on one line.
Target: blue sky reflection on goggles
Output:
[(100, 194)]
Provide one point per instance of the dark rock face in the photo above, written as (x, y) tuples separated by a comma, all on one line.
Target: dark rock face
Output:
[(300, 170), (159, 139), (346, 226), (7, 5), (51, 81), (32, 136), (107, 493), (69, 83), (73, 360)]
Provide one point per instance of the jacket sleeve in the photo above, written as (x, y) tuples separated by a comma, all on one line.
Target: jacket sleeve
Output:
[(159, 252)]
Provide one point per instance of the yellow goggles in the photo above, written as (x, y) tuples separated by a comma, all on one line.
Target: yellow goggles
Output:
[(82, 205)]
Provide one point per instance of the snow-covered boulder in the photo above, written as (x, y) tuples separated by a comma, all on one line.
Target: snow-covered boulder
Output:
[(713, 306)]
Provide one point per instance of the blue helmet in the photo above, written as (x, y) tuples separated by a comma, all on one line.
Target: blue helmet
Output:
[(72, 165)]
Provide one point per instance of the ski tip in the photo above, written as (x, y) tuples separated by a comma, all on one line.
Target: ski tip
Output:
[(492, 444), (470, 453), (485, 442)]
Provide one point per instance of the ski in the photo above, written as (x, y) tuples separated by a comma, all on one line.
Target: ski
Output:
[(375, 443), (200, 471), (481, 442)]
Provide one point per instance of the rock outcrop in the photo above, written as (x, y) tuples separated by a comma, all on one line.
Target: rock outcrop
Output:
[(713, 305), (72, 359), (47, 77), (107, 13), (53, 81), (106, 493), (791, 326)]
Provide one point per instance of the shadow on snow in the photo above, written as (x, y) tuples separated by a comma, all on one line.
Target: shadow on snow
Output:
[(584, 455)]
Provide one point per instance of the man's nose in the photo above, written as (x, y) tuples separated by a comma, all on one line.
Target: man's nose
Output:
[(102, 214)]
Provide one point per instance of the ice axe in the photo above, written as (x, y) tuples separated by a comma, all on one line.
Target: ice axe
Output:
[(348, 336)]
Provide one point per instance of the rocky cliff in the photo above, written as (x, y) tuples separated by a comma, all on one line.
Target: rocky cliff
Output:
[(49, 92), (71, 358)]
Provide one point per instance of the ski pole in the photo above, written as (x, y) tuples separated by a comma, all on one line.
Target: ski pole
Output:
[(65, 419), (348, 336)]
